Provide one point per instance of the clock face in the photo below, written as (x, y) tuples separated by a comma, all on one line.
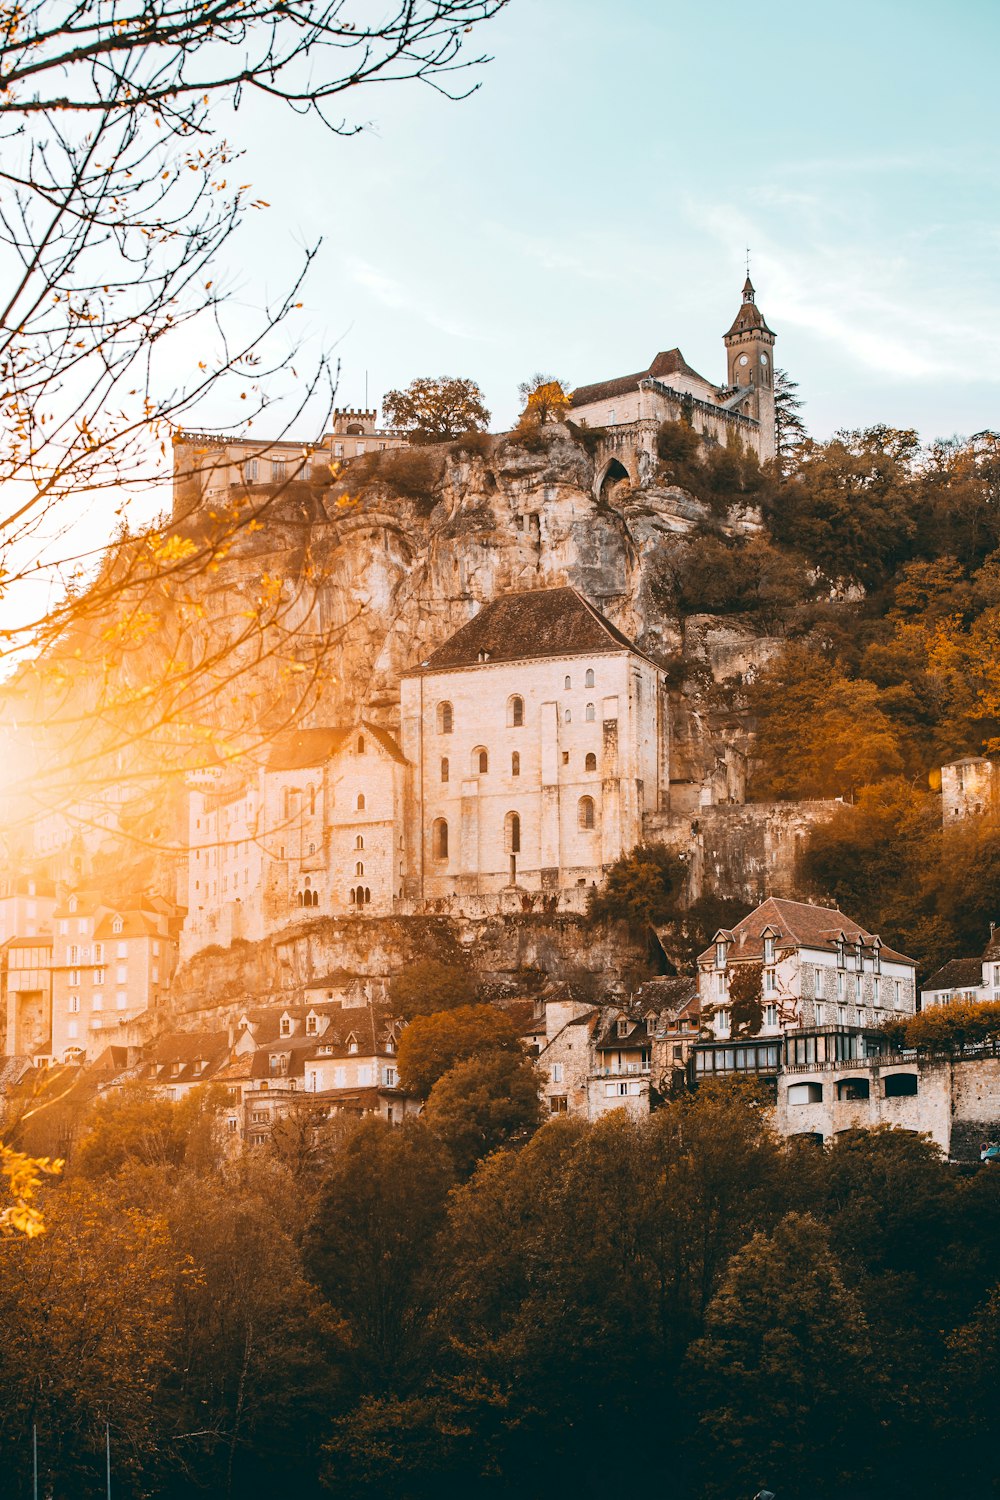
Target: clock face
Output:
[(763, 359), (744, 360)]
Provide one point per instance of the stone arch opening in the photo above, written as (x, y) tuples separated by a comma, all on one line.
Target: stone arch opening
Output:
[(615, 473)]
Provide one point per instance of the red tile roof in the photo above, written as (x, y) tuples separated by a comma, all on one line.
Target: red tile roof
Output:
[(668, 362)]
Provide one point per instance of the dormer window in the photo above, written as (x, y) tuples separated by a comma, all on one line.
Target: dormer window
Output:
[(117, 925), (311, 1024), (877, 956), (286, 1026), (72, 903), (623, 1027), (650, 1025), (352, 1044), (840, 953), (720, 954), (769, 950), (859, 957)]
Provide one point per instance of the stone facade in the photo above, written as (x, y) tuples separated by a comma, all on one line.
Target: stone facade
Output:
[(970, 788), (539, 740), (816, 966)]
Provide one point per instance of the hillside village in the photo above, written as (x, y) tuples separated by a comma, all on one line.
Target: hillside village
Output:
[(464, 789)]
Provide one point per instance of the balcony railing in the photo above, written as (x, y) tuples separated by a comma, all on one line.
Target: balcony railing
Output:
[(626, 1070)]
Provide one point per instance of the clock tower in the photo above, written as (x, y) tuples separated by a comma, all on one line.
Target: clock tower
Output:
[(750, 355)]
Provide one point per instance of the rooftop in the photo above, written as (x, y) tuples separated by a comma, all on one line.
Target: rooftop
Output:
[(667, 362), (524, 627), (796, 924)]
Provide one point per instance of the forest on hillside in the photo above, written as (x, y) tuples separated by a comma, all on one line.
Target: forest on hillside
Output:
[(879, 570), (682, 1305)]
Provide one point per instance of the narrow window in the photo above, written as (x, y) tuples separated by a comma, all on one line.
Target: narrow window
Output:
[(312, 801), (588, 681), (359, 842), (567, 684), (568, 716), (590, 713), (444, 768), (480, 762), (440, 838), (359, 868), (513, 831), (361, 802), (361, 744), (586, 812), (368, 895), (515, 764), (515, 714), (446, 718), (590, 764)]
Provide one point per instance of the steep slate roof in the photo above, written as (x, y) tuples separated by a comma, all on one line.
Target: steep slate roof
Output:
[(797, 924), (134, 924), (522, 627), (957, 974), (749, 315), (668, 362), (992, 949), (301, 749)]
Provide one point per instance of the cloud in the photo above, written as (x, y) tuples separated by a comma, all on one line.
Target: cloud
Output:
[(873, 306), (393, 294)]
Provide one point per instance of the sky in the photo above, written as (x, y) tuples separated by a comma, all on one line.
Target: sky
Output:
[(593, 203)]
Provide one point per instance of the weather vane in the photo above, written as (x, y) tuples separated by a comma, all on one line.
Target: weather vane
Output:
[(748, 260)]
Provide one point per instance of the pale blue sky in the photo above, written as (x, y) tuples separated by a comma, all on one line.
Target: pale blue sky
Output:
[(591, 204)]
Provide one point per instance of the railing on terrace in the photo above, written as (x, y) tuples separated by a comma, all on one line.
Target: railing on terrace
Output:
[(627, 1070)]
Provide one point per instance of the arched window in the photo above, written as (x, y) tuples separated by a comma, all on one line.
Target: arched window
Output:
[(515, 711), (359, 868), (567, 684), (359, 896), (444, 768), (359, 842), (515, 764), (590, 764), (568, 716), (589, 715), (368, 895), (588, 681), (361, 802), (480, 761), (512, 832), (308, 882), (351, 898), (440, 838), (585, 812), (446, 718), (361, 744)]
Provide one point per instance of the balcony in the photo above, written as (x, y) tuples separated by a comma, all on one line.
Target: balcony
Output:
[(626, 1070)]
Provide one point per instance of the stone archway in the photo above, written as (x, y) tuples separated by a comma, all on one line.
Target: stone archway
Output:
[(613, 474)]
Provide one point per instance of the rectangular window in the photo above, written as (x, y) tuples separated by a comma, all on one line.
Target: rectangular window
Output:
[(73, 1004), (769, 950), (770, 1015), (877, 990), (818, 982), (389, 1078), (97, 1002), (98, 953), (720, 985), (122, 950), (74, 954), (770, 982), (121, 975), (840, 986), (720, 955), (72, 1029), (278, 471), (897, 993), (723, 1022), (820, 1013), (557, 1072), (121, 1001), (74, 977), (98, 976), (842, 1015)]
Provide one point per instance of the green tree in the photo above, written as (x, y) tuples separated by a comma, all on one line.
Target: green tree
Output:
[(784, 1375), (428, 985), (435, 411), (482, 1103), (371, 1249), (642, 888), (431, 1045), (790, 430), (137, 1127)]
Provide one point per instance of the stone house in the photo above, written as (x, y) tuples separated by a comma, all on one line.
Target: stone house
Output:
[(180, 1061), (26, 976), (538, 736), (969, 788), (317, 829), (564, 1056), (817, 968)]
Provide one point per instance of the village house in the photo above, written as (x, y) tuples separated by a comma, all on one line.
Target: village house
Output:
[(539, 740), (811, 966), (966, 978), (319, 828), (970, 788), (179, 1061), (563, 1049), (110, 965)]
